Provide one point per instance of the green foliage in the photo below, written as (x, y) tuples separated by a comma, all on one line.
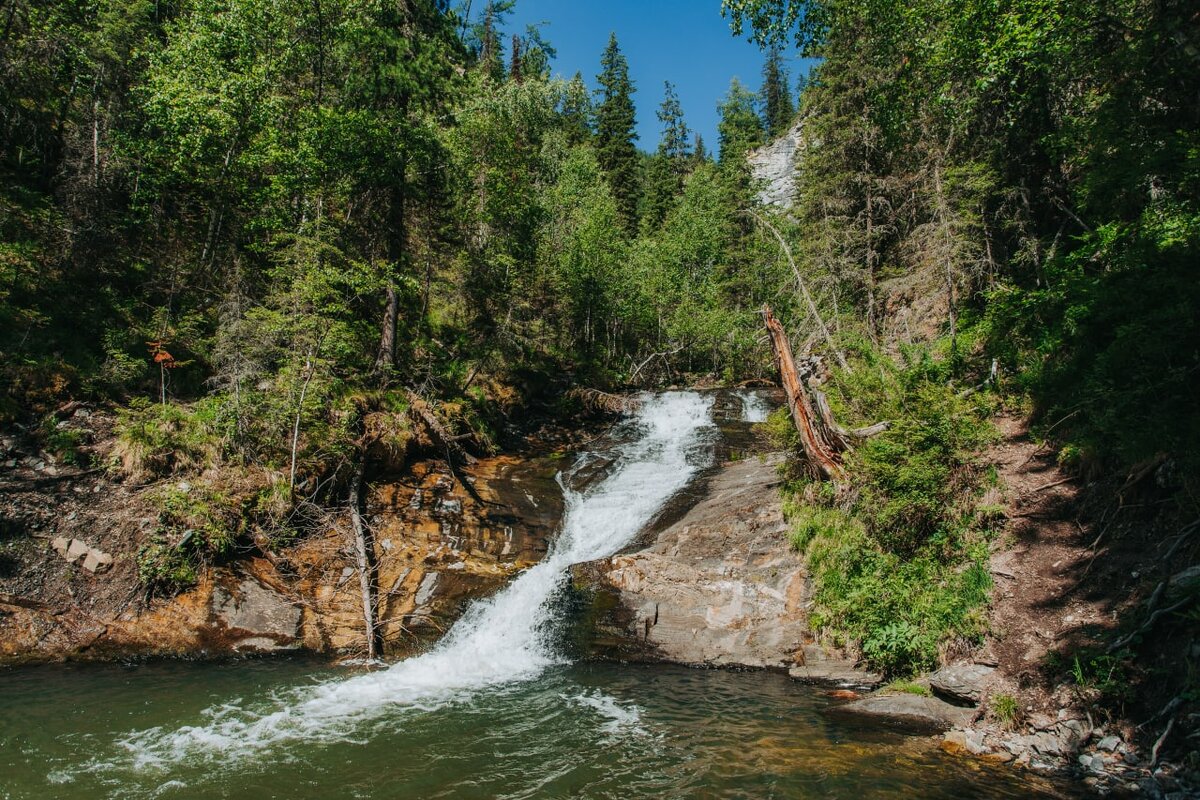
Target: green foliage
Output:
[(164, 568), (61, 440), (778, 108), (899, 559), (156, 440), (908, 687), (615, 131), (740, 127), (1005, 709)]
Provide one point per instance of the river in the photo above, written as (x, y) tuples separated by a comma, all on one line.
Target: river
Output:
[(496, 709)]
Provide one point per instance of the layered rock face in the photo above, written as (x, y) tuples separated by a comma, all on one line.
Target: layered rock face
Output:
[(775, 163), (437, 545), (719, 587)]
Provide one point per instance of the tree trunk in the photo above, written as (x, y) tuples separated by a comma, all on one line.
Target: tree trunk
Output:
[(822, 446), (364, 554), (387, 336)]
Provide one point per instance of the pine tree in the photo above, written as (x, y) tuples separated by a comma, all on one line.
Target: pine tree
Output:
[(699, 152), (777, 96), (674, 142), (491, 57), (615, 132)]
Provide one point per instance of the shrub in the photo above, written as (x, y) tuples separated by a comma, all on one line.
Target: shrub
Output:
[(154, 439), (898, 554), (1005, 709)]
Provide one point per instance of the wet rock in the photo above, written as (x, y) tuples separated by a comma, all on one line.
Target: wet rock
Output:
[(718, 587), (970, 742), (824, 670), (960, 683), (911, 710)]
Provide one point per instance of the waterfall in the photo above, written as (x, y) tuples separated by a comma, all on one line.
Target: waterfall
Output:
[(755, 407), (499, 641)]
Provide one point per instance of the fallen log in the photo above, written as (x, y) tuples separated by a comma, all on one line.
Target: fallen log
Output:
[(822, 438), (364, 556)]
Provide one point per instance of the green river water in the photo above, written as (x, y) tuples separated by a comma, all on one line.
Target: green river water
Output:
[(586, 730)]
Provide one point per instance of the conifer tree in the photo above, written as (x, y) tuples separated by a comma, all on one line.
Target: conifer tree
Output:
[(615, 132), (577, 111), (778, 108), (740, 127), (667, 168)]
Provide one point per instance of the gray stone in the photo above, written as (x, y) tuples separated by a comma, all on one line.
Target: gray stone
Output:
[(1109, 744), (1046, 744), (76, 550), (960, 683), (910, 709), (97, 561), (719, 587), (425, 590), (775, 163), (835, 673), (257, 612)]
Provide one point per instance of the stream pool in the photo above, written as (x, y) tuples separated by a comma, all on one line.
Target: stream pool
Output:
[(586, 730)]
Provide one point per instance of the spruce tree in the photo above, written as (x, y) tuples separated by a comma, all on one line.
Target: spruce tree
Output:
[(777, 96), (667, 168), (615, 132), (740, 127)]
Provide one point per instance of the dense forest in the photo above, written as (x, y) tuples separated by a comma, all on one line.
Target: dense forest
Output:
[(265, 229)]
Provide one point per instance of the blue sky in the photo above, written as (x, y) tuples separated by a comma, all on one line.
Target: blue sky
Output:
[(686, 42)]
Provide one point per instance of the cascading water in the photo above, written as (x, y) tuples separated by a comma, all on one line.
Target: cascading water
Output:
[(755, 407), (499, 641)]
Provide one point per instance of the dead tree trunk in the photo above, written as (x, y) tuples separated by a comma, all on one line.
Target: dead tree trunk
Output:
[(823, 440), (823, 447), (364, 554)]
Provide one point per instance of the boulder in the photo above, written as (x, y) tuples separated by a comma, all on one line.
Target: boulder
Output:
[(256, 616), (960, 683), (822, 669), (910, 710)]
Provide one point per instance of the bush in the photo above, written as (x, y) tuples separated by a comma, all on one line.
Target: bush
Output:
[(154, 439), (898, 554)]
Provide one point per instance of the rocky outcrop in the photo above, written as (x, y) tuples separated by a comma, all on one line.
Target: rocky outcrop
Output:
[(775, 165), (437, 546), (823, 669), (721, 586), (910, 709)]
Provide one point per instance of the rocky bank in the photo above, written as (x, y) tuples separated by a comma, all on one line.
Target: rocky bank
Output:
[(69, 585)]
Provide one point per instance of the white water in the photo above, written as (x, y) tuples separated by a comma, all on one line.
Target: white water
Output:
[(497, 642), (755, 407)]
